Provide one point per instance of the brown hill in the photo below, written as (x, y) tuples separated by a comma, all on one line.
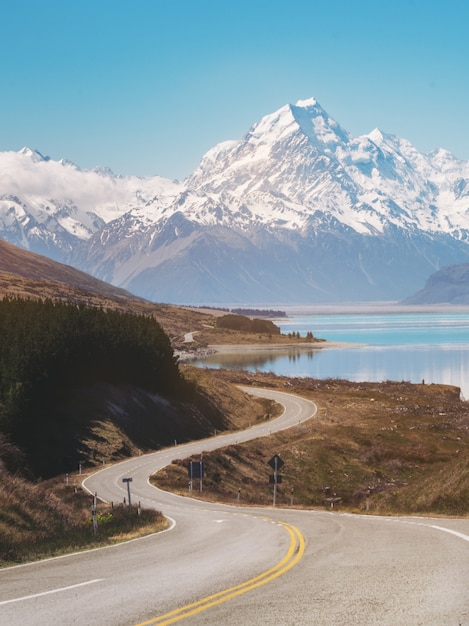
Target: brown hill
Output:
[(24, 273), (28, 275)]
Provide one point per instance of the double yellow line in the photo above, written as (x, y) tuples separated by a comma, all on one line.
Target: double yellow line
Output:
[(294, 554)]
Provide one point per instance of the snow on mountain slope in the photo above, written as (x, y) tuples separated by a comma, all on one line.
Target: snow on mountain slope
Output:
[(280, 170), (296, 210), (299, 160), (48, 205)]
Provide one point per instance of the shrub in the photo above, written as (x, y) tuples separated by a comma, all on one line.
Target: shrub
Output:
[(247, 325)]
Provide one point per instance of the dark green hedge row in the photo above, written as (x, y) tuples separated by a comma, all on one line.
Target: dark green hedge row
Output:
[(247, 325)]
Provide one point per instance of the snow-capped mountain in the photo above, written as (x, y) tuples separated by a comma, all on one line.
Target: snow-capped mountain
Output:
[(298, 210), (299, 160), (51, 206)]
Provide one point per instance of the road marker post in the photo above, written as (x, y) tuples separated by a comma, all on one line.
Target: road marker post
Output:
[(94, 513)]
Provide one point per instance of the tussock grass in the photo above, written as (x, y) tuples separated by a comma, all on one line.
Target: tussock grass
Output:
[(390, 447), (38, 521)]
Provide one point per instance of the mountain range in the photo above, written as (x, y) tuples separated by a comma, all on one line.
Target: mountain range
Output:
[(296, 211)]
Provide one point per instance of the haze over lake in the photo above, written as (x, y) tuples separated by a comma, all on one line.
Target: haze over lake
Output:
[(398, 343)]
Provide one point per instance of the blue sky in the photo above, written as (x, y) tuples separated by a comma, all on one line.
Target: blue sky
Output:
[(148, 86)]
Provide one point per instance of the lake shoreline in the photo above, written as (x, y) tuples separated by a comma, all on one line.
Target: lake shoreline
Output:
[(269, 347), (247, 348), (369, 308)]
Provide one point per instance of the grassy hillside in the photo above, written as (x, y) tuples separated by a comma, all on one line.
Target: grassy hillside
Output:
[(24, 274), (390, 447)]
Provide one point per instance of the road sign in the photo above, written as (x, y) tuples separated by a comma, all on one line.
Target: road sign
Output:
[(276, 462), (128, 481), (195, 469)]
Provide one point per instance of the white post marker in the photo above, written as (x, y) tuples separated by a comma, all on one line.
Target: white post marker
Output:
[(94, 513), (201, 472)]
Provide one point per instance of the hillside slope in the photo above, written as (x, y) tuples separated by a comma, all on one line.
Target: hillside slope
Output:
[(120, 419), (450, 285), (25, 274)]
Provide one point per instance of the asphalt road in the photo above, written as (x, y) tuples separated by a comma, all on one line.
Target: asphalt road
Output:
[(233, 565)]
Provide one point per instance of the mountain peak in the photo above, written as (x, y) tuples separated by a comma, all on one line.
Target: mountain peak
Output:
[(309, 102), (320, 128), (34, 155), (306, 116), (376, 135)]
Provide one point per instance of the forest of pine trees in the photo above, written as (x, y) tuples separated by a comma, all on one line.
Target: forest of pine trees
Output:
[(49, 349)]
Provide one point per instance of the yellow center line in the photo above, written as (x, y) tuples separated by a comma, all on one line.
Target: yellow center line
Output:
[(293, 555)]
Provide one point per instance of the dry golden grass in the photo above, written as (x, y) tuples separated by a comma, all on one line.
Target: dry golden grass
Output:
[(27, 275), (384, 447), (52, 518)]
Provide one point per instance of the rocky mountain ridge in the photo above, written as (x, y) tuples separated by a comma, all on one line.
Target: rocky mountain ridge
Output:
[(450, 285), (296, 211)]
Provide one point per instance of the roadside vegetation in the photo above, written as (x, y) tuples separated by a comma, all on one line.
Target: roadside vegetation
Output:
[(48, 519), (80, 387), (49, 350), (389, 448)]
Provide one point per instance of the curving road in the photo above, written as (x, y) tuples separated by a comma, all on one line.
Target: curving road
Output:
[(233, 565)]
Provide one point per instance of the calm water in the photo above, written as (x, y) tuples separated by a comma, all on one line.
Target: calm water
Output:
[(401, 346)]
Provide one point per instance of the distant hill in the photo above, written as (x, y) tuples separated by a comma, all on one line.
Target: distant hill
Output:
[(26, 274), (450, 285)]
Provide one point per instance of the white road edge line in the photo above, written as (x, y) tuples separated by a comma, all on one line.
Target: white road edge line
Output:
[(47, 593), (448, 530), (172, 524)]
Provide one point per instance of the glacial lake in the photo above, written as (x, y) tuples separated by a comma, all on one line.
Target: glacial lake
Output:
[(415, 346)]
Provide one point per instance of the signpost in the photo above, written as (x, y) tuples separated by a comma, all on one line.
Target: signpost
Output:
[(128, 481), (276, 463), (195, 470)]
